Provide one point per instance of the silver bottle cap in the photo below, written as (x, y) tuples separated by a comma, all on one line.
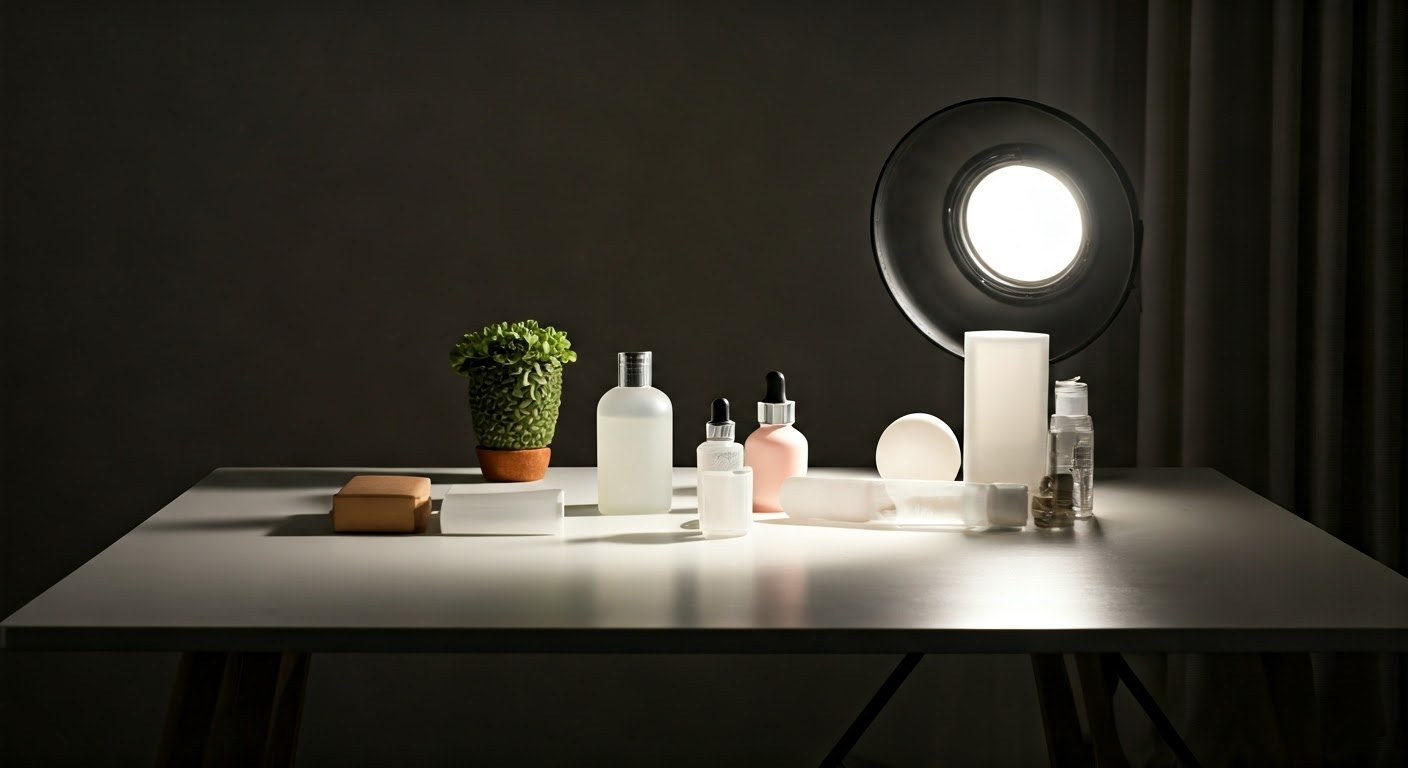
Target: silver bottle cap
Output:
[(722, 431), (784, 412), (1009, 505), (633, 369)]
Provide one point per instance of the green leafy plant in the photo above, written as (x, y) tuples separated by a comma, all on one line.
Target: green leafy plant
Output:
[(515, 382)]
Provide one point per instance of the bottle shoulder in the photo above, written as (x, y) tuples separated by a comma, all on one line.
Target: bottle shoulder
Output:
[(777, 434), (634, 402)]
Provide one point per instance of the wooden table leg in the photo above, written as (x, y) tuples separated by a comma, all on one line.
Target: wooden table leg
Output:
[(235, 709), (1097, 693), (1293, 726), (1065, 746), (191, 709)]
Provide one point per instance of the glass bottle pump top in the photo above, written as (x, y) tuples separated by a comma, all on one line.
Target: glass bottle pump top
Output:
[(1072, 398)]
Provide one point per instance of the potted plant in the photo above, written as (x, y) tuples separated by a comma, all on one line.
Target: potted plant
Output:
[(515, 389)]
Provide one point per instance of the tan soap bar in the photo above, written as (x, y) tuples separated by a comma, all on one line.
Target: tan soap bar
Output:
[(382, 504)]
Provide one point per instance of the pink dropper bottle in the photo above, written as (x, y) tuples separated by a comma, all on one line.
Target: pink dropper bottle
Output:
[(776, 450)]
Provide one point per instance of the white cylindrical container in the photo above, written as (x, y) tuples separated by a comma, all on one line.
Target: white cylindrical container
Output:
[(725, 502), (634, 442), (906, 502), (1005, 377)]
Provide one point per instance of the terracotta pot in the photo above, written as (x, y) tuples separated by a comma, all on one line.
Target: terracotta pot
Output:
[(502, 465)]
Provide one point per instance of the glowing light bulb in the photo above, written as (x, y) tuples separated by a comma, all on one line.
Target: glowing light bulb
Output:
[(1024, 224)]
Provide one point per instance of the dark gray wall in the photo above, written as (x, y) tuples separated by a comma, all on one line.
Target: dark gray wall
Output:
[(249, 237)]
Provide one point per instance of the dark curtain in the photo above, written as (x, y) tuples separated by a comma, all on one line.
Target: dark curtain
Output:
[(1273, 324)]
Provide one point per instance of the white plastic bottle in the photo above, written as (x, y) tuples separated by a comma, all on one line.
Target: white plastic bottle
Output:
[(718, 452), (634, 442)]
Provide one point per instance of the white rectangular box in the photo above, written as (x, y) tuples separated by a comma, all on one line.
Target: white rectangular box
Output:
[(502, 509)]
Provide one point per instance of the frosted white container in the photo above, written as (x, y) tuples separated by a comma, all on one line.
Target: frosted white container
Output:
[(634, 442), (718, 456), (1005, 375), (725, 502), (495, 509), (906, 502)]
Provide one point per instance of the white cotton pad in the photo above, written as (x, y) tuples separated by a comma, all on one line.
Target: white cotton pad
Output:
[(918, 447), (501, 509)]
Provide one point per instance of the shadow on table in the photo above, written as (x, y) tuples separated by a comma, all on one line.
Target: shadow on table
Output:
[(306, 525), (1081, 530), (321, 525), (789, 521), (219, 524), (1088, 528), (653, 537), (592, 510), (330, 477)]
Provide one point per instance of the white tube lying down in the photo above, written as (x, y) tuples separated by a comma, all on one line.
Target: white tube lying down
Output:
[(906, 502)]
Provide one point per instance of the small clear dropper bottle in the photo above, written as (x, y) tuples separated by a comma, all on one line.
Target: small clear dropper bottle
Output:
[(718, 452), (1071, 465)]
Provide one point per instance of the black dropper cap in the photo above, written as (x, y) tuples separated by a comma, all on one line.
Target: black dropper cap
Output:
[(719, 426), (718, 411), (777, 388), (775, 408)]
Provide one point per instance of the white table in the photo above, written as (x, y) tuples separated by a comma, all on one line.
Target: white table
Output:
[(246, 563)]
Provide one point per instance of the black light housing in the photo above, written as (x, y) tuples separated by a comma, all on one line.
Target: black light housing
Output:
[(939, 279)]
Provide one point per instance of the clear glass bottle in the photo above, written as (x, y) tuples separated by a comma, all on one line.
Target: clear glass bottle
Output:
[(634, 442), (1045, 513), (718, 452), (1071, 465)]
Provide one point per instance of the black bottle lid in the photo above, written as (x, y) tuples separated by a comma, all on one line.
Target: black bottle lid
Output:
[(777, 388), (719, 426), (718, 411)]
